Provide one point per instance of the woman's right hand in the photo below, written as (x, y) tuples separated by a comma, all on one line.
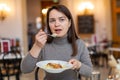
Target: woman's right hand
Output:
[(40, 41)]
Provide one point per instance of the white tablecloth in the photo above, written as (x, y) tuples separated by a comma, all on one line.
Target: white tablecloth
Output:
[(11, 56), (114, 49)]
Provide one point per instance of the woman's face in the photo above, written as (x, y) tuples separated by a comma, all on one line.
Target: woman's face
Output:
[(58, 23)]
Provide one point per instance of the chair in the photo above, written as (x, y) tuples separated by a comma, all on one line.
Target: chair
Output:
[(95, 56), (104, 53), (10, 67), (37, 74), (112, 64)]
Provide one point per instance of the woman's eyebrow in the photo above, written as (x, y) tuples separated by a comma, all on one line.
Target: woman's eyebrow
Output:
[(62, 17), (58, 17)]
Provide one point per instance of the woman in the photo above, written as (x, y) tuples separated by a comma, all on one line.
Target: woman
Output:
[(66, 46)]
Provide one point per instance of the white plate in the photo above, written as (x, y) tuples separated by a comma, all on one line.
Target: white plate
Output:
[(64, 64)]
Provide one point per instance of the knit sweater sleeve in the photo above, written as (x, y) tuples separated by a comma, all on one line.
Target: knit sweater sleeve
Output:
[(28, 64), (86, 67)]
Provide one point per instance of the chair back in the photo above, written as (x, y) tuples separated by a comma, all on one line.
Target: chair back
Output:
[(36, 73), (10, 67), (112, 62)]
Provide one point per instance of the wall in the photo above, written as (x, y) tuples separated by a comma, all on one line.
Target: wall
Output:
[(33, 10), (102, 15), (103, 18), (14, 26)]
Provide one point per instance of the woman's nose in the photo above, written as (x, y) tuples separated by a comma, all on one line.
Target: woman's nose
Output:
[(57, 23)]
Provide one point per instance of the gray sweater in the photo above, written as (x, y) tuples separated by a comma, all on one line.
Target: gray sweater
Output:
[(60, 49)]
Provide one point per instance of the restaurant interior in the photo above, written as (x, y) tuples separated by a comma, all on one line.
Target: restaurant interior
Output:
[(97, 22)]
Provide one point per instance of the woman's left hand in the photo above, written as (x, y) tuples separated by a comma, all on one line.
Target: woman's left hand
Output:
[(76, 63)]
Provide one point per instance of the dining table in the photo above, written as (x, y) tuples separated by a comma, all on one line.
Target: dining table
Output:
[(114, 51)]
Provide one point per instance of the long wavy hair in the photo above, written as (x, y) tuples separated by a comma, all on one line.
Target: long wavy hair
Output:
[(72, 36)]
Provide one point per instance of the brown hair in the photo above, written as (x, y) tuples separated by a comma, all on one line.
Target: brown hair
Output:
[(72, 36)]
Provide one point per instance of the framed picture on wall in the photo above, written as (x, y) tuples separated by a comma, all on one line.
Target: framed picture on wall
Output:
[(5, 46), (86, 24)]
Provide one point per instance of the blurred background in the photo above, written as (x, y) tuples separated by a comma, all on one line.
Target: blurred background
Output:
[(97, 23)]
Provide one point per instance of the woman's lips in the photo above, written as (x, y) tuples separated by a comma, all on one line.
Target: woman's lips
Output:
[(58, 31)]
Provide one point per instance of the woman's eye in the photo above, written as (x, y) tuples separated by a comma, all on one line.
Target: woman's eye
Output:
[(62, 19), (51, 20)]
